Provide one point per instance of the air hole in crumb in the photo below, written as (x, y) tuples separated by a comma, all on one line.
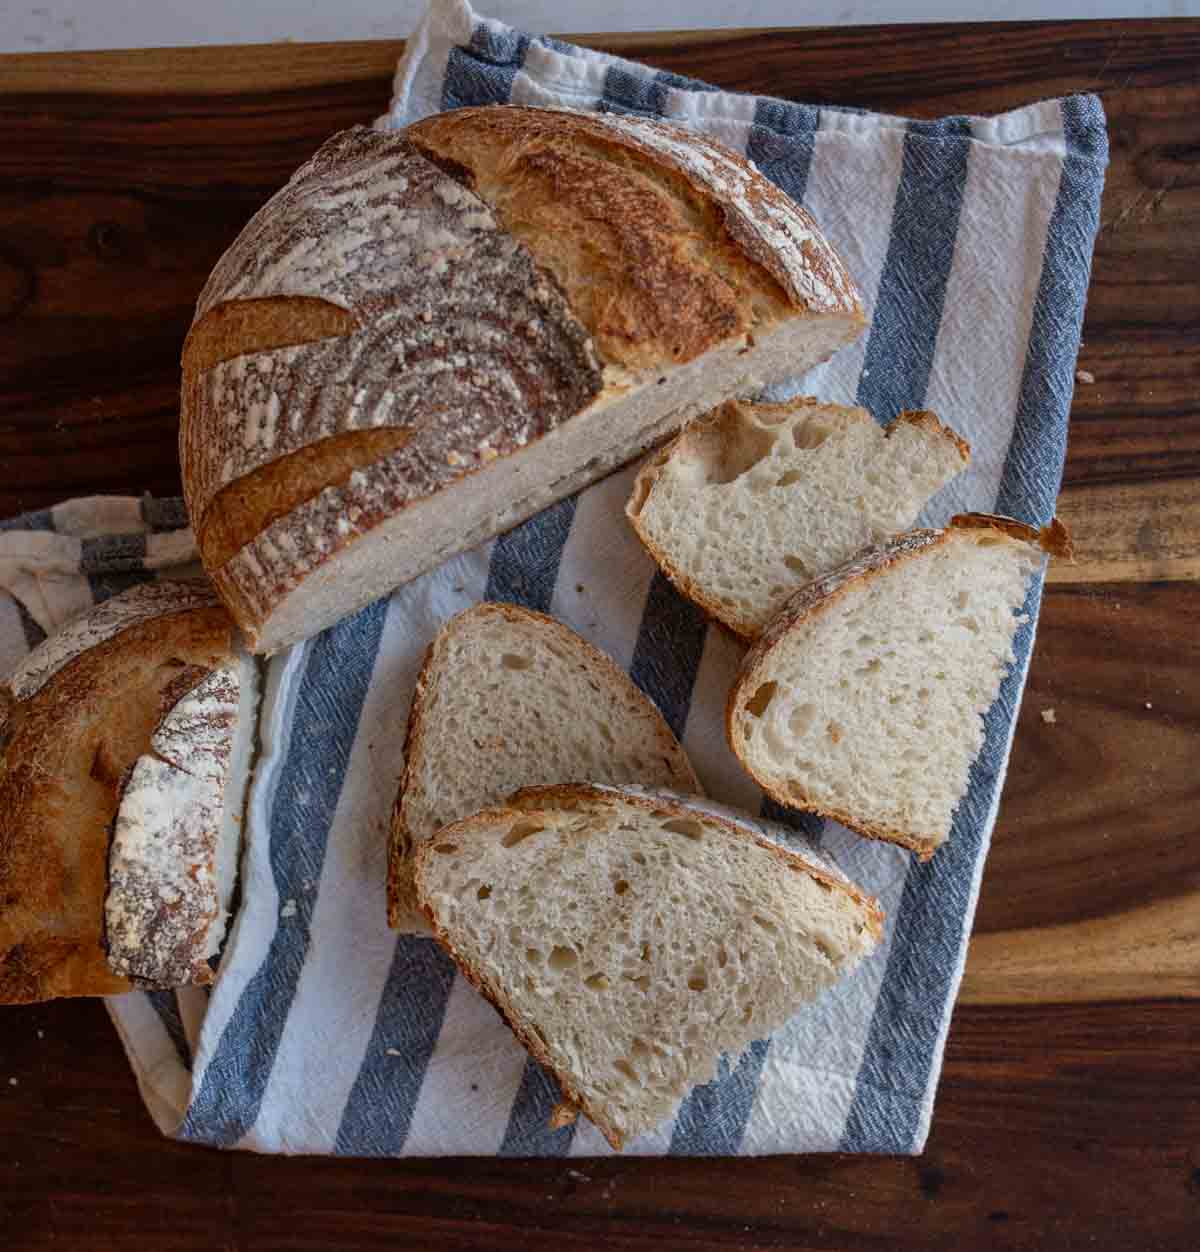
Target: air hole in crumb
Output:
[(740, 453), (756, 706), (620, 886), (483, 892), (747, 1013), (562, 958), (766, 924), (641, 982), (597, 982), (510, 660), (722, 957), (639, 1048), (519, 831), (834, 731), (685, 826), (809, 434), (698, 979), (796, 565), (639, 858), (801, 718), (786, 480), (447, 848), (533, 956), (962, 600), (623, 1066)]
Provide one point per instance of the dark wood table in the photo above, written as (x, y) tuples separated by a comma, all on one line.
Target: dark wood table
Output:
[(1069, 1112)]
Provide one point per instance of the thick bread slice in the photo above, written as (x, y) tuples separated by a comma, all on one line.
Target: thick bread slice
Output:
[(442, 322), (753, 501), (864, 699), (508, 698), (629, 940), (81, 710), (175, 844)]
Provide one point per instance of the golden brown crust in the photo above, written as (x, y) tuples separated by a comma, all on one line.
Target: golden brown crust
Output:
[(928, 420), (402, 842), (622, 247), (817, 597), (1054, 539), (237, 327), (556, 797), (665, 241), (68, 746), (247, 506)]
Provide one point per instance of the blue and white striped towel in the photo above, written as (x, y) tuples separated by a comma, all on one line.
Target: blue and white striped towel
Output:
[(971, 239)]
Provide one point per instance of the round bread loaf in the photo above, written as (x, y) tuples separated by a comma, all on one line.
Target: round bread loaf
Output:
[(429, 335)]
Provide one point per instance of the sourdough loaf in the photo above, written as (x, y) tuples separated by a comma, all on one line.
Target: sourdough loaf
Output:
[(753, 501), (79, 714), (864, 699), (427, 336), (630, 939), (509, 698)]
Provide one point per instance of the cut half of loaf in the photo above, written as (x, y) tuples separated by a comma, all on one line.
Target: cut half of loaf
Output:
[(429, 335), (629, 940), (864, 699), (753, 501), (509, 698), (84, 718)]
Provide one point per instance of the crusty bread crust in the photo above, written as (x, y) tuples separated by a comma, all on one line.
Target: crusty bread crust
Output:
[(402, 846), (585, 796), (817, 597), (648, 476), (377, 294), (65, 749)]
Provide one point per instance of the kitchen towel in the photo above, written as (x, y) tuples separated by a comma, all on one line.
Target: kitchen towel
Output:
[(971, 239)]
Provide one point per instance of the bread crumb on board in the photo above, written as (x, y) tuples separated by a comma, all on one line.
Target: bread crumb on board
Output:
[(1084, 376), (1049, 717)]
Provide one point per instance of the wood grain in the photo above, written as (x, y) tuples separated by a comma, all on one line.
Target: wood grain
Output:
[(1069, 1114), (1066, 1127)]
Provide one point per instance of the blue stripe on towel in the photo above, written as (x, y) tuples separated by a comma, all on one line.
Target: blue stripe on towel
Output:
[(901, 1046), (166, 1005), (712, 1120), (912, 287), (378, 1114), (328, 703), (483, 73), (781, 143)]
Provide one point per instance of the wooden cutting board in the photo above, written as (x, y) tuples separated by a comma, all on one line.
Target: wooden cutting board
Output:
[(1069, 1112)]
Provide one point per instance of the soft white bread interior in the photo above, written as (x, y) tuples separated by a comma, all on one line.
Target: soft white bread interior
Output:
[(429, 335), (630, 940), (174, 854), (864, 699), (752, 501), (508, 698), (81, 711)]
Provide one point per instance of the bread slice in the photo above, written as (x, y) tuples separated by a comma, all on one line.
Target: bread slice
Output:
[(864, 699), (81, 711), (754, 500), (507, 698), (175, 844), (629, 940), (427, 336)]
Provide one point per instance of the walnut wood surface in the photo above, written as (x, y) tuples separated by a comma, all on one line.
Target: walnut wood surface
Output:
[(1069, 1111)]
